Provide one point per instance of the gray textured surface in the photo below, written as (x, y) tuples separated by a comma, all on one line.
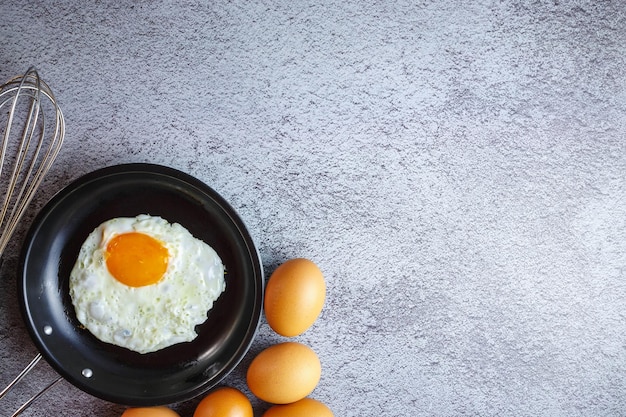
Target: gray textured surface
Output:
[(456, 170)]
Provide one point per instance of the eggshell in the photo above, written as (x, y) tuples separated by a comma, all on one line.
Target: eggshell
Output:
[(150, 412), (294, 297), (306, 407), (224, 402), (284, 373)]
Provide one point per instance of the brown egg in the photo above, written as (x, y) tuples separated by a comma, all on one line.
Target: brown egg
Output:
[(294, 297), (150, 412), (306, 407), (284, 373), (224, 402)]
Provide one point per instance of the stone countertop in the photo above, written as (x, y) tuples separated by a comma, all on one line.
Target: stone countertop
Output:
[(456, 169)]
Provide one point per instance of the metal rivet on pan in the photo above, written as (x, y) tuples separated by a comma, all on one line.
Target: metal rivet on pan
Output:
[(87, 373), (47, 330)]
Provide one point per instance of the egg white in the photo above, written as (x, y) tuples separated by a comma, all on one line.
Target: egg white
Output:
[(149, 318)]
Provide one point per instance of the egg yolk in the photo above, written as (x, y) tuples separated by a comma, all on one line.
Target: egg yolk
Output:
[(136, 259)]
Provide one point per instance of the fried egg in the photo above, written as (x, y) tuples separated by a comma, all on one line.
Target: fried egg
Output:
[(144, 284)]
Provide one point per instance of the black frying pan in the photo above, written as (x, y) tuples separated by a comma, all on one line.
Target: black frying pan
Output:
[(173, 374)]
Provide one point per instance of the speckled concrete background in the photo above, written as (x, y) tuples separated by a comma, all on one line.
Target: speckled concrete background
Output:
[(457, 169)]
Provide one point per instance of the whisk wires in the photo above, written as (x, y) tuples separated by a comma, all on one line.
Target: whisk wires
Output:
[(29, 146)]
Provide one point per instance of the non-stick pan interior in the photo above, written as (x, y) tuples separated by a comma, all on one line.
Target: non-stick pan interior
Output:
[(113, 373)]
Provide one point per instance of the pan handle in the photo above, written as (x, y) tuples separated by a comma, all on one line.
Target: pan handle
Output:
[(18, 378)]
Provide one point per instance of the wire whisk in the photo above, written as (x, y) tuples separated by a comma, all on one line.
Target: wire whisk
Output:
[(30, 144)]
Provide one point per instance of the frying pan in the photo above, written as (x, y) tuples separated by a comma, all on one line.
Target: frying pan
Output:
[(115, 374)]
